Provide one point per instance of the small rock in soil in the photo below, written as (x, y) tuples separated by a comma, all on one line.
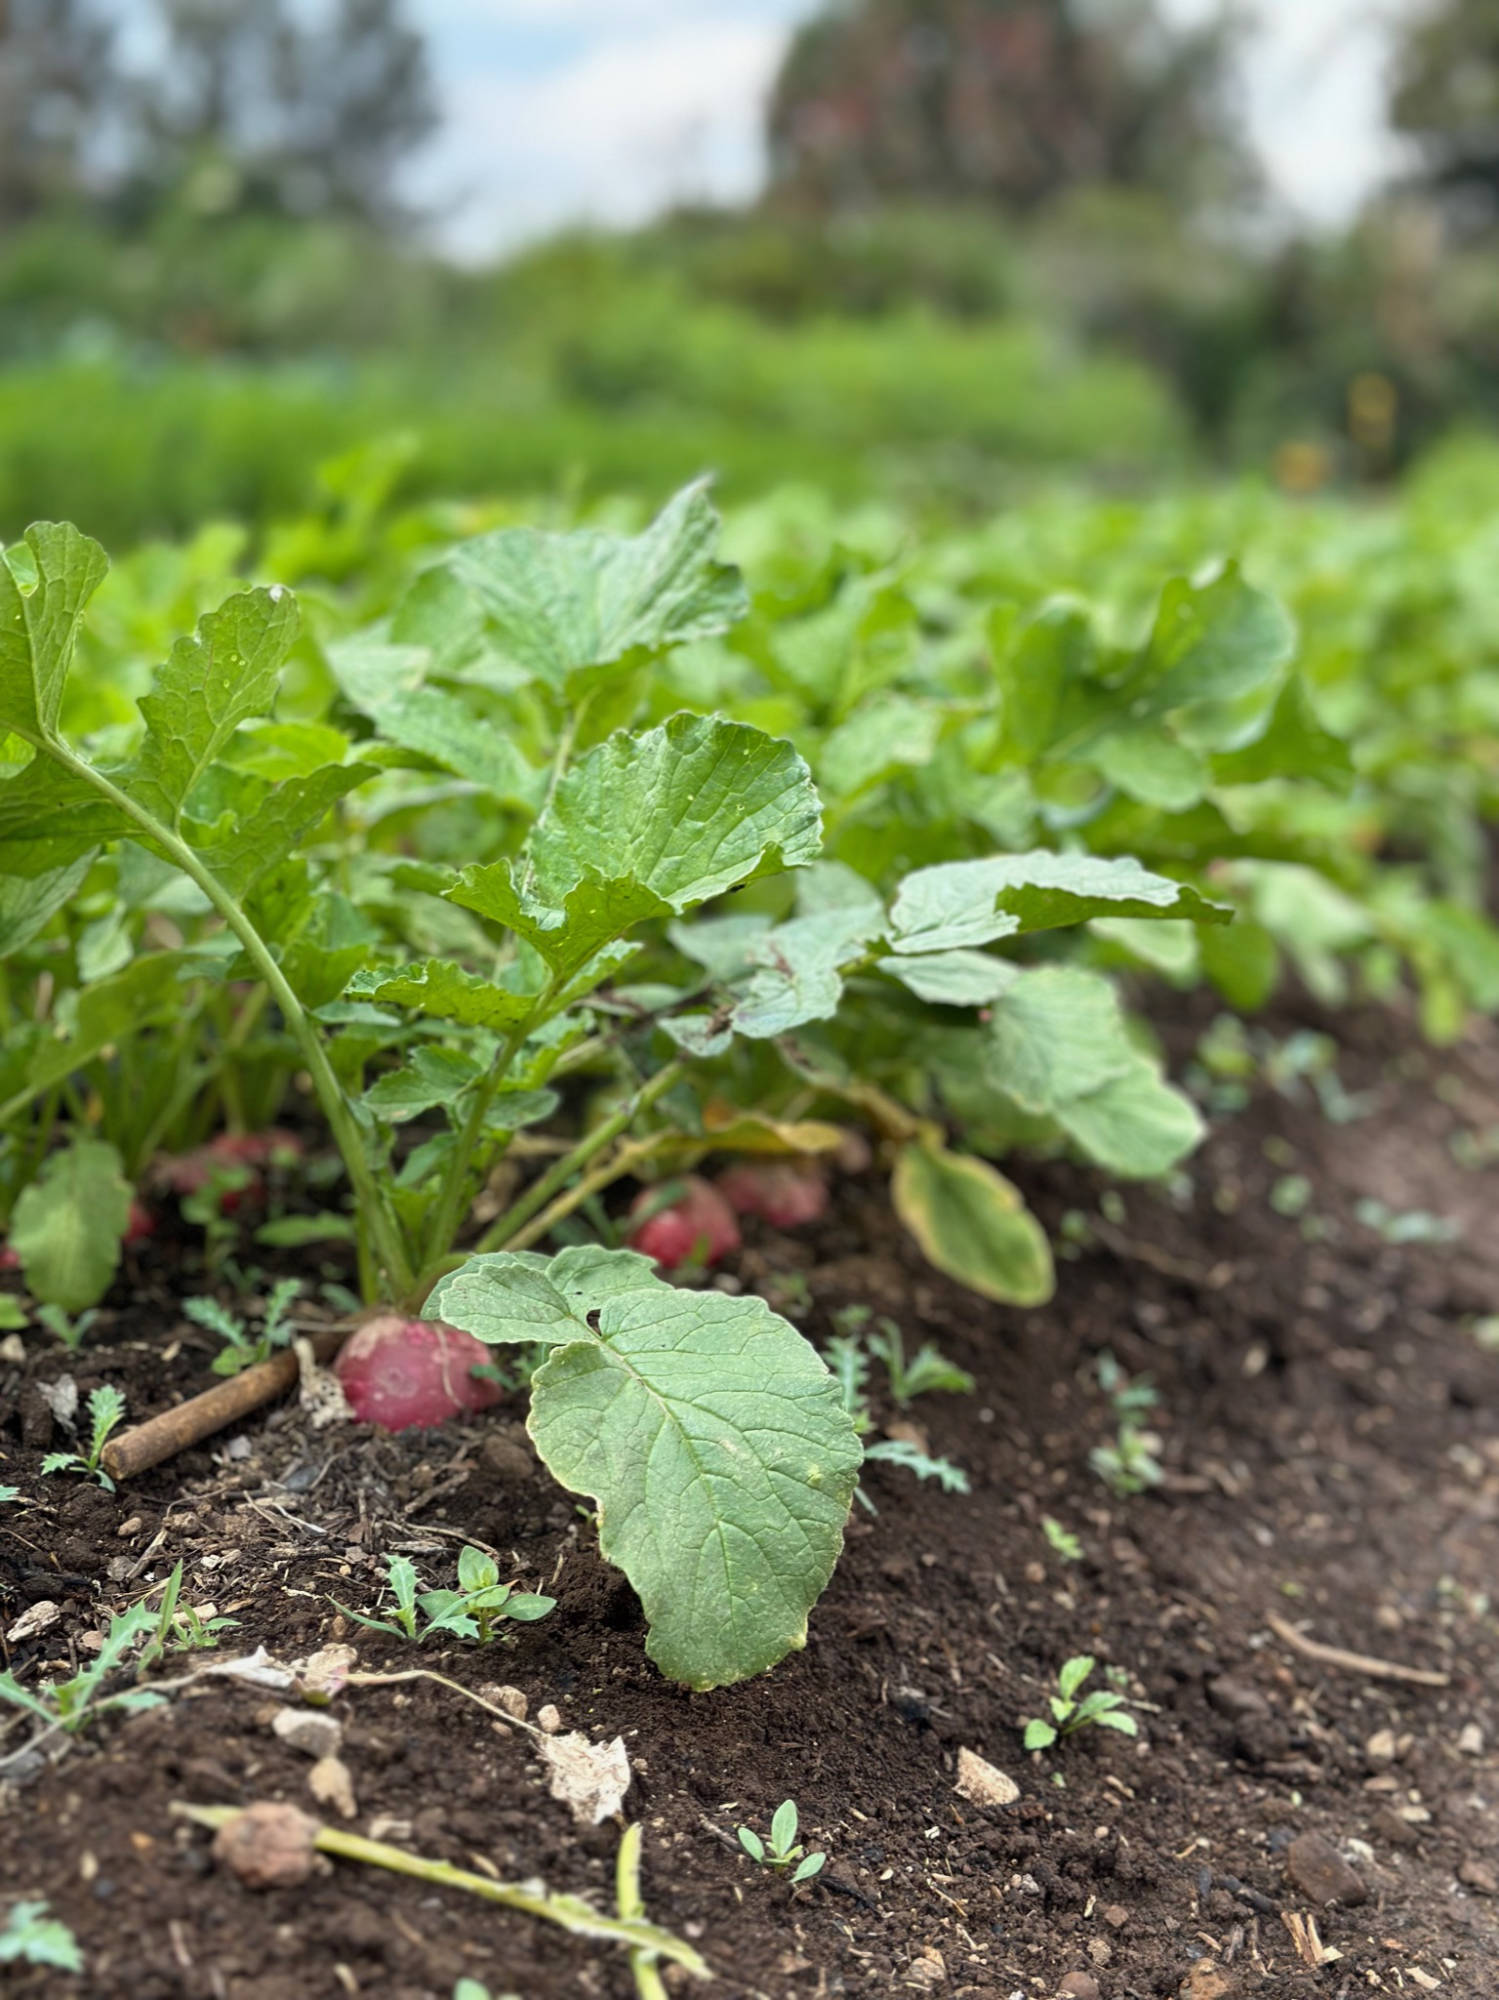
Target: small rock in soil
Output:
[(1315, 1867), (267, 1847), (548, 1718), (1380, 1748), (982, 1783), (1236, 1698), (1470, 1741), (309, 1730), (1078, 1986), (1479, 1875), (1116, 1916), (37, 1619), (510, 1699), (1388, 1825), (507, 1460), (1207, 1981), (330, 1784)]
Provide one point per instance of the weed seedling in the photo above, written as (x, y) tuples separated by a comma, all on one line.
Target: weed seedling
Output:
[(1104, 1706), (475, 1610), (846, 1358), (783, 1852), (1129, 1464), (70, 1704), (9, 1493), (31, 1937), (106, 1407), (927, 1372), (69, 1331), (182, 1629), (239, 1349), (1062, 1540)]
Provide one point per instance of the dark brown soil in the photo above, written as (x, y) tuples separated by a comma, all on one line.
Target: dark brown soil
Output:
[(1330, 1426)]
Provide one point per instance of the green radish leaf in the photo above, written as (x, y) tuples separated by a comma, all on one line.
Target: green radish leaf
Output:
[(209, 685), (953, 978), (430, 1078), (1137, 1125), (558, 603), (1214, 647), (973, 1224), (383, 682), (593, 913), (279, 825), (749, 1840), (1039, 1735), (438, 987), (708, 1432), (961, 904), (1056, 1034), (32, 892), (67, 1226), (1118, 1718), (783, 1827), (39, 624), (147, 990), (687, 810), (888, 734)]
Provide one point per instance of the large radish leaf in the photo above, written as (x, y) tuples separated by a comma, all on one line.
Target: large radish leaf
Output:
[(558, 603), (68, 1225), (210, 684), (960, 904), (45, 583), (709, 1433)]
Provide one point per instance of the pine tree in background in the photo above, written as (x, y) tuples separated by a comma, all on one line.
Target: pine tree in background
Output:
[(56, 71), (1006, 101), (1445, 96)]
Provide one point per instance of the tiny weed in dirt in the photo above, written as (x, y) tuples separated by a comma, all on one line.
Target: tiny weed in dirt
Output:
[(12, 1313), (106, 1409), (180, 1628), (471, 1989), (927, 1372), (240, 1350), (782, 1851), (1410, 1225), (32, 1937), (1291, 1195), (69, 1705), (68, 1330), (1062, 1540), (9, 1493), (477, 1609), (1129, 1464), (1104, 1706), (849, 1363)]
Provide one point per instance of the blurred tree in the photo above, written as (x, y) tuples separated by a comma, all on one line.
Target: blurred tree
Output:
[(55, 69), (1445, 95), (255, 105), (1010, 101)]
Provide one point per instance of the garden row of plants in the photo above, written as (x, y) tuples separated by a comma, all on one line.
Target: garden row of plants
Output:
[(545, 863)]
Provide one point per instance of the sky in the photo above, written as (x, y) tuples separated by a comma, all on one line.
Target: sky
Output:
[(609, 110)]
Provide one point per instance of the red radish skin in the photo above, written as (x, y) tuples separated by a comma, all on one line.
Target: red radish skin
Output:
[(399, 1373), (699, 1223), (142, 1224), (240, 1153), (10, 1260), (781, 1194)]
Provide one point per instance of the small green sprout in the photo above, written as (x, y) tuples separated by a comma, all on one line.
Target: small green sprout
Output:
[(34, 1938), (1104, 1706), (1061, 1540), (1129, 1464), (106, 1407), (475, 1610), (846, 1358), (182, 1629), (70, 1704), (240, 1350), (69, 1331), (9, 1493), (783, 1851), (926, 1372)]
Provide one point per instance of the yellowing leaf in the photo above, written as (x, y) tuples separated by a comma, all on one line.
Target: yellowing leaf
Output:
[(973, 1224)]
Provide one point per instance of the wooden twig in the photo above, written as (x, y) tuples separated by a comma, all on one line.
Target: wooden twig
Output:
[(1353, 1663), (160, 1437)]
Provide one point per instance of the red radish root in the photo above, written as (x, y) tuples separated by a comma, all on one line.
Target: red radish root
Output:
[(398, 1373), (699, 1223)]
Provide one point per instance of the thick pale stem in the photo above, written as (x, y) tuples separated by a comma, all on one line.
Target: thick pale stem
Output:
[(502, 1231)]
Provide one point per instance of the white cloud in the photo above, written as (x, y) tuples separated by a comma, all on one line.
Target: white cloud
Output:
[(633, 124), (650, 101)]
